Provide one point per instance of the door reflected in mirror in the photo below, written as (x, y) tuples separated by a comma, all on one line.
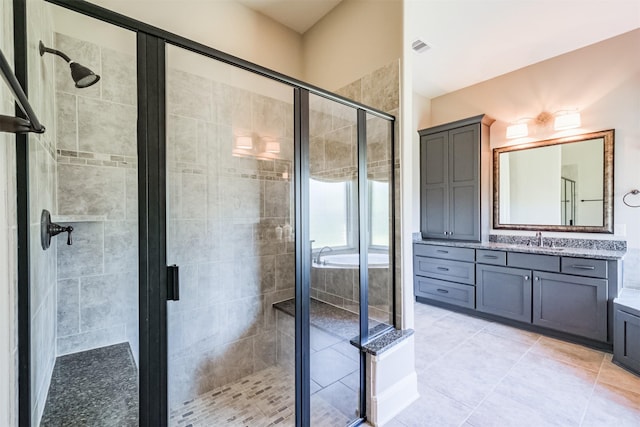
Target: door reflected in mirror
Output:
[(561, 185)]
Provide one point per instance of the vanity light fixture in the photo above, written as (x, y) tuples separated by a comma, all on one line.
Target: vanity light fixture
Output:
[(563, 119), (272, 147), (566, 120), (517, 130), (244, 142)]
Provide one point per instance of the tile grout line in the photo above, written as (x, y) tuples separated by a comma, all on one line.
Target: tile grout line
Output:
[(457, 346), (593, 389), (466, 420)]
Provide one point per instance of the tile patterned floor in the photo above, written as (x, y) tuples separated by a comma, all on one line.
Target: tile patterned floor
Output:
[(265, 398), (475, 373)]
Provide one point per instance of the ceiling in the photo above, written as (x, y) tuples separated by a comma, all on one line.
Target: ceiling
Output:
[(476, 40), (299, 15)]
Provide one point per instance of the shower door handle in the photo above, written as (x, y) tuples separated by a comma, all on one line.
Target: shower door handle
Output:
[(173, 283)]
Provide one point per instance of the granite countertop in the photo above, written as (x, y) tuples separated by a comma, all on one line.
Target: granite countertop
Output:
[(607, 254)]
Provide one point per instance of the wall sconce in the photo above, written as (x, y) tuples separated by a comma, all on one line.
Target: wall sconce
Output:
[(566, 120), (244, 142)]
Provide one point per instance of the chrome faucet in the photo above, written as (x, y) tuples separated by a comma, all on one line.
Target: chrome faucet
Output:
[(318, 258), (539, 240)]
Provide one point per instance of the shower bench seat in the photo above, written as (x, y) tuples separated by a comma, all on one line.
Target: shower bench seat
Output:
[(346, 324)]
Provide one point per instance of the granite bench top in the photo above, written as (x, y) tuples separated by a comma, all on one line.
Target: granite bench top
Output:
[(334, 320), (346, 324), (385, 341)]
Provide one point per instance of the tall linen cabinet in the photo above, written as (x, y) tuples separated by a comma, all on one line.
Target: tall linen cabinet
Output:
[(454, 169)]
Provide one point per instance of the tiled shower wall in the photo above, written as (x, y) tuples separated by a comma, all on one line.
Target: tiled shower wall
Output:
[(8, 247), (223, 211), (333, 145), (42, 193), (96, 137), (381, 89)]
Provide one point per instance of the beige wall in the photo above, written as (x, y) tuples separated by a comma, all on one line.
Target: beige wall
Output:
[(601, 80), (352, 40), (225, 25)]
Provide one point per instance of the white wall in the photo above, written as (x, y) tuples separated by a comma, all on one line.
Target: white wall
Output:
[(8, 273), (225, 25), (534, 178), (352, 40), (584, 159)]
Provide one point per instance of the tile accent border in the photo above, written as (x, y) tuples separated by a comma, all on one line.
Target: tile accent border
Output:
[(96, 159)]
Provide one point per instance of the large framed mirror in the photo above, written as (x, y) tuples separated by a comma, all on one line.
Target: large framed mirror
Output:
[(563, 184)]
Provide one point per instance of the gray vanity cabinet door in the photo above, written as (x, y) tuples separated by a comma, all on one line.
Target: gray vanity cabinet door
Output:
[(572, 304), (626, 342), (464, 181), (504, 291), (434, 172)]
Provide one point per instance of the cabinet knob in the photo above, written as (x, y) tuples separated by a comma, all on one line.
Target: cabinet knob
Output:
[(445, 233), (536, 278), (526, 277)]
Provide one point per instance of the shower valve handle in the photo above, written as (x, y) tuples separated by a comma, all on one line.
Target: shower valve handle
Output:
[(55, 229)]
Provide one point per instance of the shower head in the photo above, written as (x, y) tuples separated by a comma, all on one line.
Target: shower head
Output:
[(80, 74)]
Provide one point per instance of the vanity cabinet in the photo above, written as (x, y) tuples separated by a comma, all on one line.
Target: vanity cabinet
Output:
[(569, 294), (504, 291), (445, 274), (626, 339), (572, 304), (450, 167)]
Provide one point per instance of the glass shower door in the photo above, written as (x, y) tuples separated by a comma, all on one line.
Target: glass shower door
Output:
[(335, 268), (231, 347)]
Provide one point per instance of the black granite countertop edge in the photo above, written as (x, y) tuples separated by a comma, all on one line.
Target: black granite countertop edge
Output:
[(542, 250), (384, 342)]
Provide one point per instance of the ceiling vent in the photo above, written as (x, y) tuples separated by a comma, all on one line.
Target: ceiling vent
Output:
[(420, 46)]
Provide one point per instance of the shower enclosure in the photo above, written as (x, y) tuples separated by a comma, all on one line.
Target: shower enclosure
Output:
[(230, 254)]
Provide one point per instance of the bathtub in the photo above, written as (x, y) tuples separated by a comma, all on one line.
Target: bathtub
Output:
[(376, 260)]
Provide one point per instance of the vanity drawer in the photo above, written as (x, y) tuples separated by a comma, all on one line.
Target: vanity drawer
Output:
[(584, 267), (484, 256), (452, 293), (444, 252), (455, 271), (534, 261)]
